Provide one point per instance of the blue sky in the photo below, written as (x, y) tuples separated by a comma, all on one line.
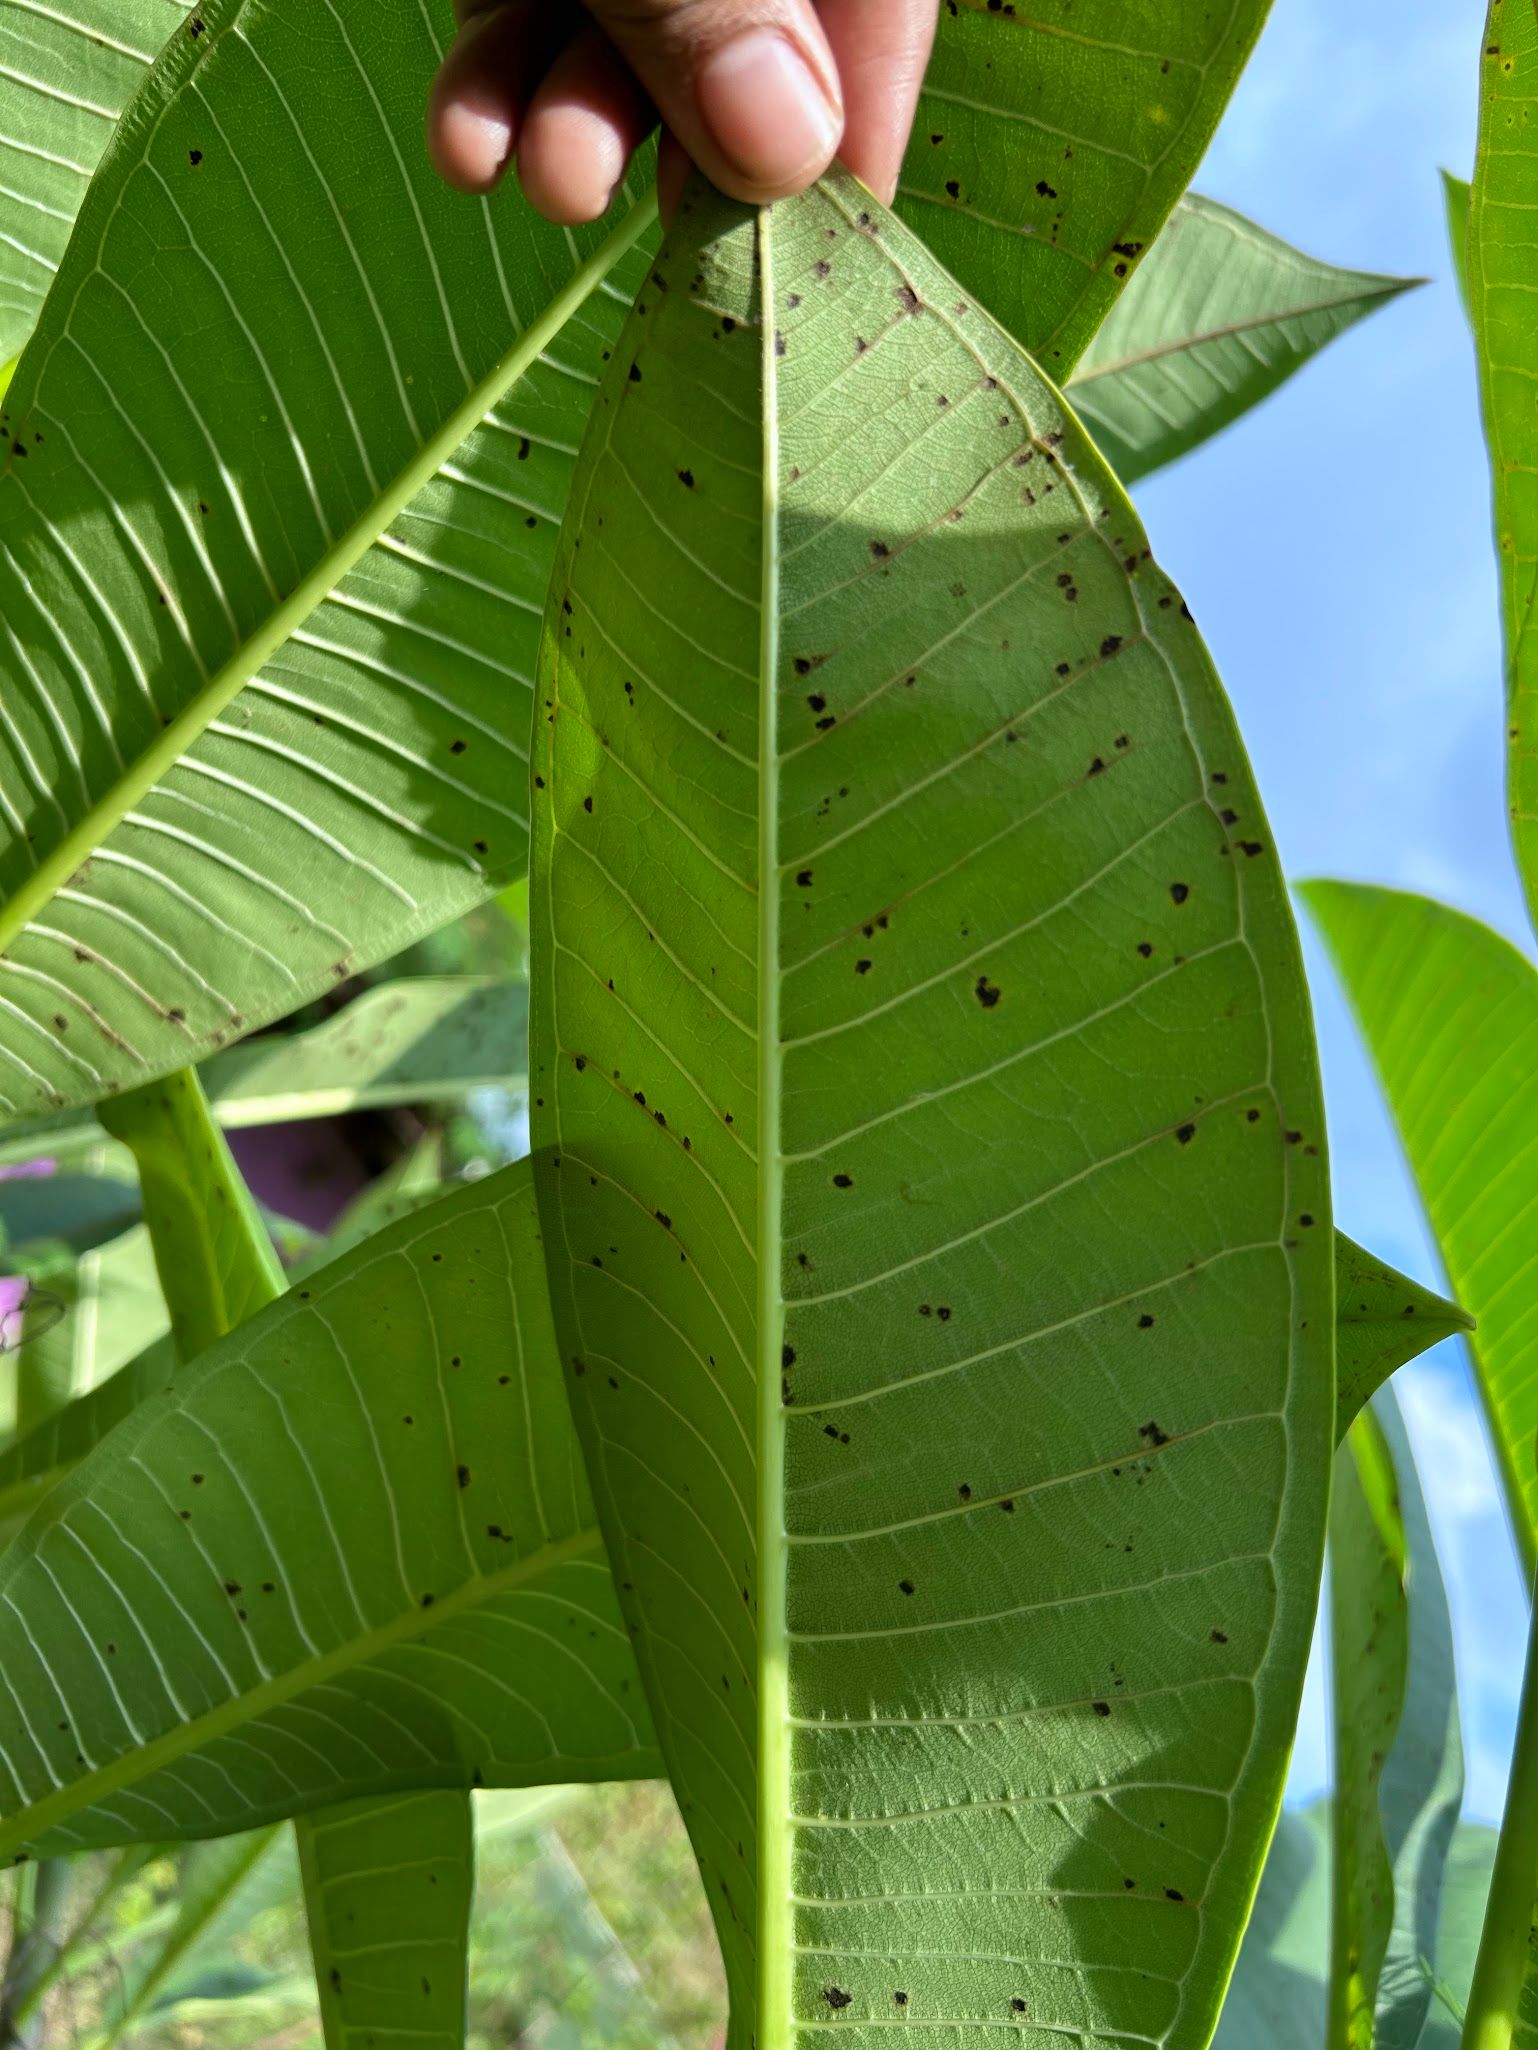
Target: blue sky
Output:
[(1336, 549)]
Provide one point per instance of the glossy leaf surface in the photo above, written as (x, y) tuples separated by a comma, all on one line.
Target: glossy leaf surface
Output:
[(1449, 1012), (1501, 247), (930, 1157)]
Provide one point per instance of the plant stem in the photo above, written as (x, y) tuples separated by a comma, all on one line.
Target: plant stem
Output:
[(35, 1943), (1506, 1948)]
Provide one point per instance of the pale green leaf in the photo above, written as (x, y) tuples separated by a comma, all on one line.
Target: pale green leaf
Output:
[(415, 1041), (1398, 1757), (911, 967), (1503, 1997), (1369, 1654), (388, 1887), (1277, 1998), (1052, 142), (67, 69), (1449, 1012), (1420, 1790), (266, 669), (366, 1866), (1465, 1889), (1382, 1321), (1500, 287), (31, 1466), (1457, 197), (349, 1551), (1219, 315)]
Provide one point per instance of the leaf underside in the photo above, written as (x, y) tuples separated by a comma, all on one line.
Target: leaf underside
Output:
[(388, 1891), (931, 1159), (1220, 314), (65, 75), (261, 246), (341, 772), (1382, 1321), (349, 1551), (1052, 142)]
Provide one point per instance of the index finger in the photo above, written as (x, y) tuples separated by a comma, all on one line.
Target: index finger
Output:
[(881, 48)]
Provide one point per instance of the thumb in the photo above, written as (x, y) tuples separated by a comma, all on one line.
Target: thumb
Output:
[(749, 87)]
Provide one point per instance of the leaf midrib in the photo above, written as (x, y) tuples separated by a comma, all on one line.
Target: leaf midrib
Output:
[(194, 1735), (1387, 288), (775, 2019), (176, 739)]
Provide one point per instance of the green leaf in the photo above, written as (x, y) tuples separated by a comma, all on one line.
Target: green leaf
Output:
[(1449, 1012), (1383, 1320), (215, 1260), (1465, 1888), (371, 1870), (1369, 1644), (910, 964), (416, 1041), (1277, 1997), (1397, 1752), (1051, 144), (66, 72), (1420, 1790), (1457, 196), (388, 1887), (350, 1551), (266, 669), (1503, 1998), (50, 1450), (1500, 267), (1218, 316)]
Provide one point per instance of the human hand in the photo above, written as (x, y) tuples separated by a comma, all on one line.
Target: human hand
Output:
[(761, 94)]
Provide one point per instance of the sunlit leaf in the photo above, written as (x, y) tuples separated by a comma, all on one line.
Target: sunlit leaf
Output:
[(215, 1260), (1052, 142), (419, 1040), (1500, 281), (1398, 1758), (915, 964), (1218, 316), (66, 71), (266, 670), (1449, 1012), (1382, 1321)]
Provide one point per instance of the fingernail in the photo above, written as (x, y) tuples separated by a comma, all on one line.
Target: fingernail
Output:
[(476, 141), (766, 110)]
